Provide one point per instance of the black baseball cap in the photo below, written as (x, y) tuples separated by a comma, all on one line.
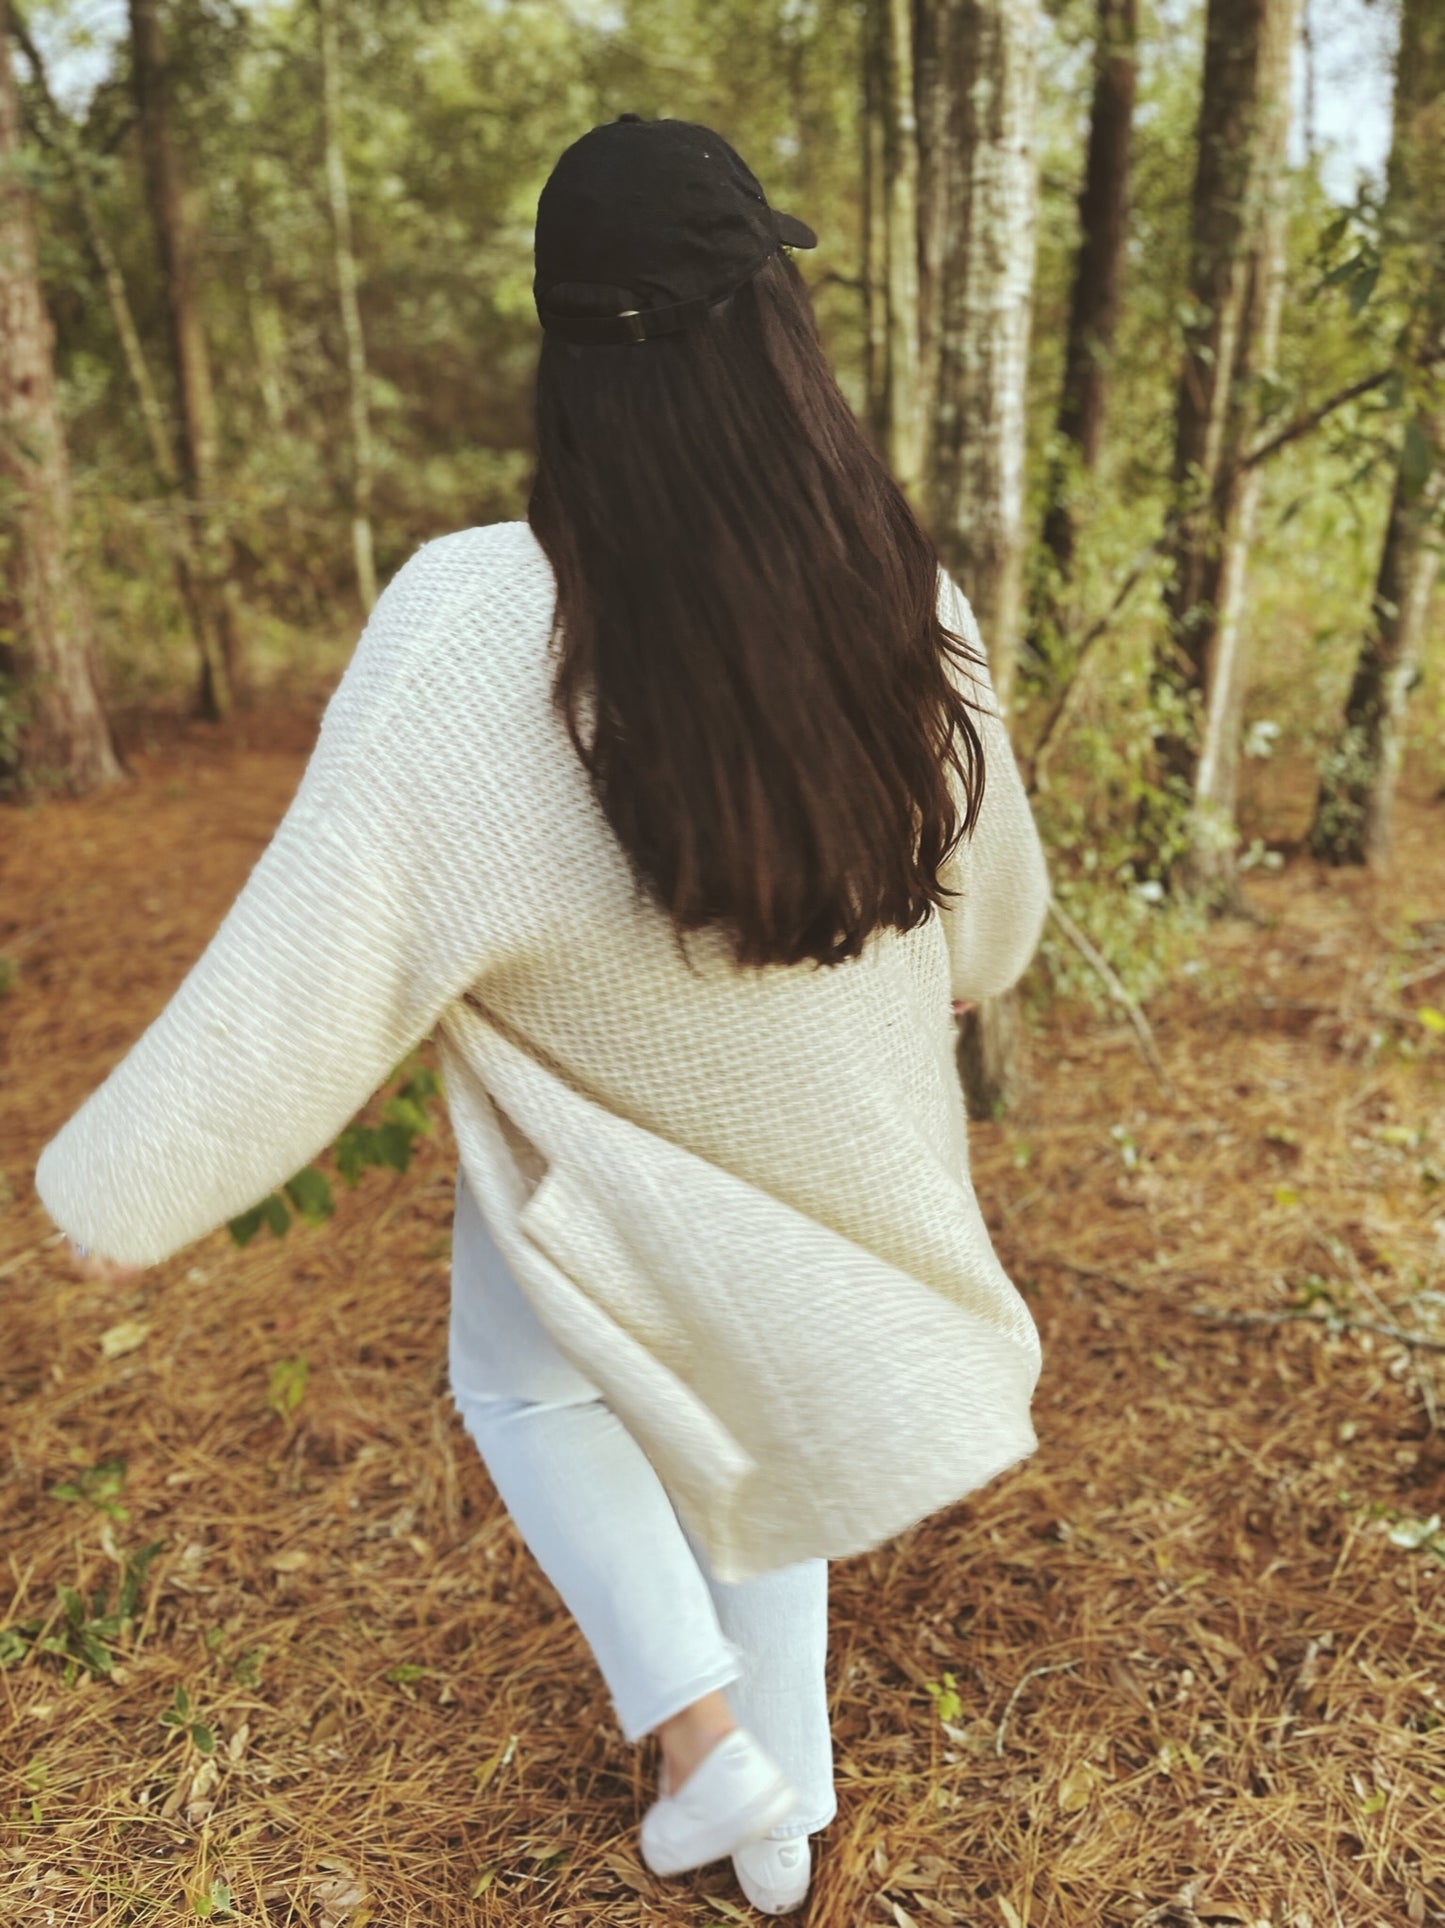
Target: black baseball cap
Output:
[(666, 213)]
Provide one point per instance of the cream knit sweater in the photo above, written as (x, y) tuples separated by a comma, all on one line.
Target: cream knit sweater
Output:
[(739, 1201)]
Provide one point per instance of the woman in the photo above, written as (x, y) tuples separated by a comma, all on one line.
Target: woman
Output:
[(682, 812)]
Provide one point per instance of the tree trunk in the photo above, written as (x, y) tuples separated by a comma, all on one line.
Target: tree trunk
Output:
[(1238, 114), (1355, 804), (1209, 868), (932, 101), (983, 181), (159, 437), (905, 447), (875, 228), (1310, 90), (350, 312), (62, 132), (213, 610), (1098, 270), (977, 90), (266, 339), (988, 1056), (60, 738)]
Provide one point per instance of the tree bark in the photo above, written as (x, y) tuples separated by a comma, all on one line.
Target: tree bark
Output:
[(977, 82), (1209, 869), (159, 437), (1240, 107), (213, 608), (875, 227), (981, 227), (60, 738), (361, 452), (62, 132), (905, 445), (890, 154), (1354, 807), (1098, 271)]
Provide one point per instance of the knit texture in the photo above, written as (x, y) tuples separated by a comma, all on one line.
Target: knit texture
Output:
[(739, 1200)]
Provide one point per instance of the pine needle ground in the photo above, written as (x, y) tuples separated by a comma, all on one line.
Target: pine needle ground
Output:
[(1182, 1667)]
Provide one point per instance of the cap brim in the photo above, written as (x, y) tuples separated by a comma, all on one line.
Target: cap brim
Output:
[(792, 232)]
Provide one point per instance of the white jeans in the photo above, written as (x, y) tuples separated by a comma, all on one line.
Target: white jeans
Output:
[(590, 1506)]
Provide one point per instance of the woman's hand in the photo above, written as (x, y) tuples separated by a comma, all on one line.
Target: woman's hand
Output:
[(91, 1266)]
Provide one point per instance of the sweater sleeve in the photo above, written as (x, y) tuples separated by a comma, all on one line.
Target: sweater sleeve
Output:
[(346, 942), (993, 926)]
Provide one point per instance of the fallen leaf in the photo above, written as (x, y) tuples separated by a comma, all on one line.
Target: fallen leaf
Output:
[(1076, 1787), (198, 1802), (174, 1800), (337, 1898), (129, 1336)]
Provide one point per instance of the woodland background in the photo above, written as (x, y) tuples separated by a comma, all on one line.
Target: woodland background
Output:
[(1171, 409), (1166, 383)]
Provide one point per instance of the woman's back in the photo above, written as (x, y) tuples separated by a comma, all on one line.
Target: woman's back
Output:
[(832, 1088)]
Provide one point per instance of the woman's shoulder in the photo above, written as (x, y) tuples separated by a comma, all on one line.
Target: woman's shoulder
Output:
[(492, 582), (449, 627), (469, 562)]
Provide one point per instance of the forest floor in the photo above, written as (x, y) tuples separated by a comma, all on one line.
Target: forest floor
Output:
[(1185, 1665)]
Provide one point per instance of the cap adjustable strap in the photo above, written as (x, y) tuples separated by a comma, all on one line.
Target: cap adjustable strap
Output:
[(634, 324)]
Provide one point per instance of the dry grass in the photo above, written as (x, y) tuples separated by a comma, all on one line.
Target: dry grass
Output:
[(1197, 1681)]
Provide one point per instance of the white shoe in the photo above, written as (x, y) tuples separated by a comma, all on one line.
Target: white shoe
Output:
[(774, 1875), (734, 1794)]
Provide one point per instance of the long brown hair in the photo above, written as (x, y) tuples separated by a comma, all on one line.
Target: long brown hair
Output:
[(749, 608)]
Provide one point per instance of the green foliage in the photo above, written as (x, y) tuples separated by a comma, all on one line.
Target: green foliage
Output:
[(97, 1486), (1345, 770), (406, 1676), (178, 1715), (81, 1634), (1418, 1536), (1357, 275), (452, 115), (1099, 789), (246, 1668), (215, 1903), (1417, 459), (15, 714), (243, 1667), (945, 1697), (286, 1385), (37, 1780), (406, 1116)]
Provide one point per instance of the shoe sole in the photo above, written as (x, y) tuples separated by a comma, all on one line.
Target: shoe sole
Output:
[(765, 1811)]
